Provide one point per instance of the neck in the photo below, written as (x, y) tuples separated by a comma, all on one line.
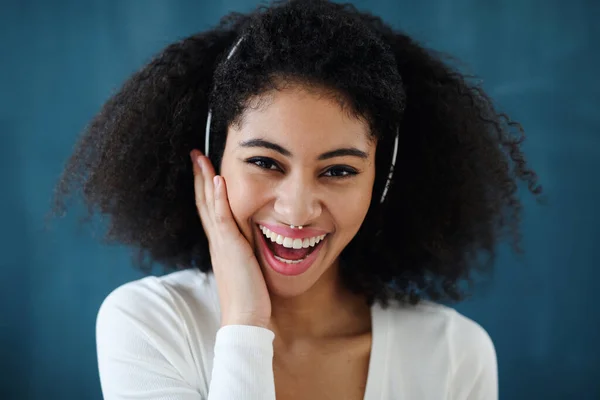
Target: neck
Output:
[(327, 310)]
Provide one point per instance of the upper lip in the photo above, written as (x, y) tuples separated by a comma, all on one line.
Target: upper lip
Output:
[(293, 233)]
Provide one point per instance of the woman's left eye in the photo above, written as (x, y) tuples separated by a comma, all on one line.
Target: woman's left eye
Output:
[(264, 163), (340, 172)]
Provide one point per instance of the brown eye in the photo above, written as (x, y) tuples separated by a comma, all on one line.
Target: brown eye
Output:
[(340, 172), (264, 163)]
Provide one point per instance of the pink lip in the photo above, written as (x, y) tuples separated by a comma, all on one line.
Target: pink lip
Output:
[(294, 233), (284, 268)]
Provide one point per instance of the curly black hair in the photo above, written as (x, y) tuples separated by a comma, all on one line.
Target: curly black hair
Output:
[(453, 196)]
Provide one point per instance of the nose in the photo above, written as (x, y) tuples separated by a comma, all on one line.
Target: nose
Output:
[(297, 201)]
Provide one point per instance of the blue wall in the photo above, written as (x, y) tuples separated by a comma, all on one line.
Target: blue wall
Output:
[(61, 59)]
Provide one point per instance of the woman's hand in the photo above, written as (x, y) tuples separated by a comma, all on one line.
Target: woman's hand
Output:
[(242, 289)]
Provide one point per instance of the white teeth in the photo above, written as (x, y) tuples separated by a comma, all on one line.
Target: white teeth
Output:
[(288, 261), (289, 242)]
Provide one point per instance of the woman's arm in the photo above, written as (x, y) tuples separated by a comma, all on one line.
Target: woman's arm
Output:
[(243, 364)]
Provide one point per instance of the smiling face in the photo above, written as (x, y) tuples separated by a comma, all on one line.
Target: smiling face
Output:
[(298, 159)]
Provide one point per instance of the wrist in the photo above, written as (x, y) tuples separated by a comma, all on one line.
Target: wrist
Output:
[(261, 323)]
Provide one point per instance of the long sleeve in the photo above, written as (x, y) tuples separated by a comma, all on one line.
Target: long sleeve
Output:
[(243, 364), (152, 347)]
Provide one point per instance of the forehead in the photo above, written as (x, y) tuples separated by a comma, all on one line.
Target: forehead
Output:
[(302, 119)]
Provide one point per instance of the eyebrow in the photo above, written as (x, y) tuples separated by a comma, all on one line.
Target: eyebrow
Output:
[(346, 151)]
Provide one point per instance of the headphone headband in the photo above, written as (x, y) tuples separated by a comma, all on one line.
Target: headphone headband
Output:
[(395, 153)]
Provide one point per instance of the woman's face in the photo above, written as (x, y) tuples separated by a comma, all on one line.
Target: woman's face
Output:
[(298, 159)]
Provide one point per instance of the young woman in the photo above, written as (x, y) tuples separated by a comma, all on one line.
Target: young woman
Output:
[(321, 182)]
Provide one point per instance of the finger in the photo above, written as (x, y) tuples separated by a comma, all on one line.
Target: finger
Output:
[(206, 217), (208, 173), (198, 179), (223, 216)]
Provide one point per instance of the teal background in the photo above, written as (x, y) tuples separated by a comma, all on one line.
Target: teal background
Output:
[(62, 59)]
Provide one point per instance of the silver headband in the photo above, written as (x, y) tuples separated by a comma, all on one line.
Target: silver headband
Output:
[(209, 117), (388, 182)]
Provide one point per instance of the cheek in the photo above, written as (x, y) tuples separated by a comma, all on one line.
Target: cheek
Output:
[(246, 196), (356, 210), (351, 214)]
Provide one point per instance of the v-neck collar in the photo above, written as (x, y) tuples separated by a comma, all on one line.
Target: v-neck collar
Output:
[(378, 360)]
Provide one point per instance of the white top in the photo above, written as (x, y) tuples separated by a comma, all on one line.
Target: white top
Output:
[(159, 338)]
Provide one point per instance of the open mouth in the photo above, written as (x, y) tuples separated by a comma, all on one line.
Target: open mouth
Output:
[(289, 256)]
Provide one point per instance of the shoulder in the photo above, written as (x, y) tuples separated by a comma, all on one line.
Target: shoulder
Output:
[(439, 325), (157, 334), (164, 295), (446, 343), (177, 305)]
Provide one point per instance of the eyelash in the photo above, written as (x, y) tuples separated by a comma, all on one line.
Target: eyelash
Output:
[(268, 164)]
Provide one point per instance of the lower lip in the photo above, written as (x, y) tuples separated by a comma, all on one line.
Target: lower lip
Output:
[(285, 268)]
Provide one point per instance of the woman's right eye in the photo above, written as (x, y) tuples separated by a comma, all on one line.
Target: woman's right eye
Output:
[(264, 163)]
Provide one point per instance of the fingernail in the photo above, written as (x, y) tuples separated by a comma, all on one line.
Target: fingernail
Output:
[(199, 161), (216, 181), (194, 157)]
